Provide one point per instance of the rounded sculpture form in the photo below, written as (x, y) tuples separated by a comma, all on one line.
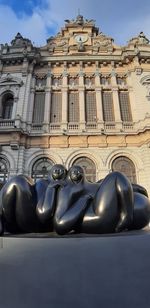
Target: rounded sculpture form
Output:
[(66, 202)]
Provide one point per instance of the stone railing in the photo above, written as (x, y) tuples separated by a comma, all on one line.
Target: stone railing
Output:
[(7, 123)]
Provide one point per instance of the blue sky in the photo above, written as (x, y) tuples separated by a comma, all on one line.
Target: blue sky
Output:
[(39, 19)]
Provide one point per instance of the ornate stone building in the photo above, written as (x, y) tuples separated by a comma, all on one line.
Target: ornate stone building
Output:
[(80, 99)]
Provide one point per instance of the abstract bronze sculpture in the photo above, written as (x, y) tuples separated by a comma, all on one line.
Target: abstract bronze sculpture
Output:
[(66, 202)]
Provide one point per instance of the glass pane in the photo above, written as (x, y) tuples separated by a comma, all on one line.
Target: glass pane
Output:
[(56, 107), (73, 107), (125, 106), (90, 106), (39, 105), (4, 165), (108, 108), (7, 106), (41, 168)]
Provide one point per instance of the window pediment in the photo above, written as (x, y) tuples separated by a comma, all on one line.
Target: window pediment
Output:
[(10, 80)]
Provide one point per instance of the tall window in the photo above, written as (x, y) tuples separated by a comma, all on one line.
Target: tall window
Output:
[(125, 165), (90, 106), (4, 169), (73, 106), (125, 108), (88, 166), (39, 105), (56, 107), (108, 108), (7, 106), (41, 168)]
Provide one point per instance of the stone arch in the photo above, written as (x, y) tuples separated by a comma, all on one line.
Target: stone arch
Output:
[(10, 158), (41, 168), (85, 160), (4, 168), (55, 158), (136, 160), (130, 158), (145, 79)]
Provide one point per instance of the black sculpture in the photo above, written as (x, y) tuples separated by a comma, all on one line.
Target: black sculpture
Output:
[(67, 202)]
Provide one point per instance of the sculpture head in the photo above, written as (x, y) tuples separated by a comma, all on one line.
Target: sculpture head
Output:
[(76, 174), (58, 172)]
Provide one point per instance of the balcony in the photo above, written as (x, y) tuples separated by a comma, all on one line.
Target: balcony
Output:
[(7, 124)]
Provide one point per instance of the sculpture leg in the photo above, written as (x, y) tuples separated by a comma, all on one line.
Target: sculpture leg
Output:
[(18, 205), (112, 208), (125, 202)]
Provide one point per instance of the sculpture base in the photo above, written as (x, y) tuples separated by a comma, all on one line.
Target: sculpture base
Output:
[(75, 271)]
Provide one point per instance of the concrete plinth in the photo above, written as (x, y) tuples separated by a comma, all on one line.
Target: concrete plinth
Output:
[(75, 272)]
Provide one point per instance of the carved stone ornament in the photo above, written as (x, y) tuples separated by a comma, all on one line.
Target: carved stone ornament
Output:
[(10, 83), (141, 39), (19, 41)]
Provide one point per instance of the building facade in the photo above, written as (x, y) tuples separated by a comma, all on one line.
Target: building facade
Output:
[(80, 99)]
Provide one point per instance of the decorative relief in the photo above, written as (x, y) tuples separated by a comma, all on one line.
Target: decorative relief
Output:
[(19, 41), (141, 39), (74, 38), (10, 83)]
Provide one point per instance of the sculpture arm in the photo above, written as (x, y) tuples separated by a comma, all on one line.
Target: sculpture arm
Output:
[(68, 221), (46, 205)]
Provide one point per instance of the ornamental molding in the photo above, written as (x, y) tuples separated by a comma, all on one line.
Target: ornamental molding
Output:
[(10, 80)]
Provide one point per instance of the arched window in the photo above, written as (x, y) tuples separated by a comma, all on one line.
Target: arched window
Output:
[(88, 166), (41, 168), (7, 106), (4, 170), (126, 166)]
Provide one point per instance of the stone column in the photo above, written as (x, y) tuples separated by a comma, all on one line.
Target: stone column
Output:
[(47, 103), (26, 99), (115, 97), (99, 107), (81, 102), (14, 108), (31, 101), (1, 107), (132, 99), (64, 102)]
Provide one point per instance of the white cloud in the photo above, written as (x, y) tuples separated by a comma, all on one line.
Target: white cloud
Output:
[(50, 15), (32, 27)]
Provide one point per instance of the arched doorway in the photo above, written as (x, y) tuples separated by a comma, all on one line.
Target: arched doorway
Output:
[(88, 166), (125, 165), (41, 168)]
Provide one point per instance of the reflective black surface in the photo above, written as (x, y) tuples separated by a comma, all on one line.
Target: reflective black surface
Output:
[(67, 202)]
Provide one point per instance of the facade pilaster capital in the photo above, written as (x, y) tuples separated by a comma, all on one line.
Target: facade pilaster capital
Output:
[(115, 89)]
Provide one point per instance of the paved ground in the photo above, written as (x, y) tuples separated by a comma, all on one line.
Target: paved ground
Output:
[(75, 272)]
